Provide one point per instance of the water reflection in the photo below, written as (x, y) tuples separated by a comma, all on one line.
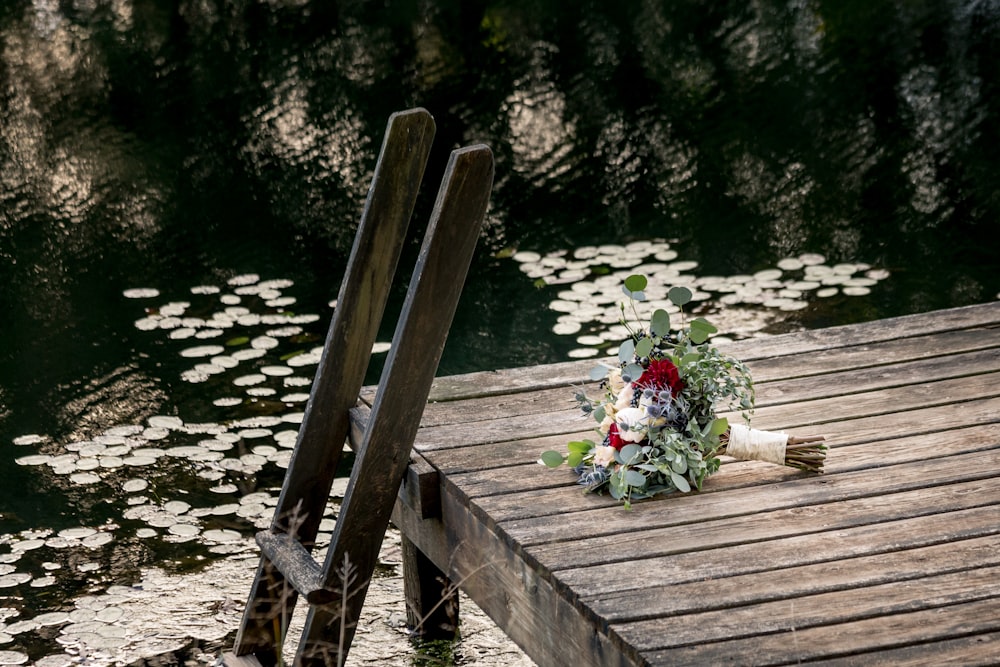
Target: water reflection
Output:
[(172, 144)]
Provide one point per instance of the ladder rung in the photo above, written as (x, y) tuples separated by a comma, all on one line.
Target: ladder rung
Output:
[(299, 567)]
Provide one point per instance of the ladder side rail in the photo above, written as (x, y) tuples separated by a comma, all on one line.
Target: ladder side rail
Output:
[(346, 353), (419, 340)]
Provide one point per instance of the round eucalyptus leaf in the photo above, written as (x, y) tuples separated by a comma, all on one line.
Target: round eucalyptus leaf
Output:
[(659, 325), (679, 295), (634, 478), (680, 482), (628, 453), (635, 282), (626, 351), (552, 459), (634, 371), (598, 373)]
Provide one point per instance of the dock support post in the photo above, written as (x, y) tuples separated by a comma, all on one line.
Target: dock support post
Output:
[(431, 599)]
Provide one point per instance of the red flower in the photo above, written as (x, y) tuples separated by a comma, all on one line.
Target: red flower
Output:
[(661, 374), (615, 440)]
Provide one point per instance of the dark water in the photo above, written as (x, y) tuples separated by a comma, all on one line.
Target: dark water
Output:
[(172, 144)]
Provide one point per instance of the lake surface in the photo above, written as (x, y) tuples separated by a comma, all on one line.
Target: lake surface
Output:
[(180, 184)]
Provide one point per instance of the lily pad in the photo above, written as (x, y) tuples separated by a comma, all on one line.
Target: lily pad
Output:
[(13, 658), (84, 478), (141, 293), (203, 351)]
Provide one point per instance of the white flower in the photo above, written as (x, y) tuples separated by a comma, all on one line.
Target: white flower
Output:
[(615, 381), (605, 424), (604, 456), (632, 424), (624, 397)]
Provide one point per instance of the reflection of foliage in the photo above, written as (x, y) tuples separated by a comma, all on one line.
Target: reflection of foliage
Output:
[(848, 128), (142, 141)]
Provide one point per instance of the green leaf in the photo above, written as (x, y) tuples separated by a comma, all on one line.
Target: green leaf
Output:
[(626, 351), (680, 482), (659, 325), (552, 459), (239, 340), (719, 426), (701, 330), (679, 295), (689, 358), (679, 465), (635, 282), (600, 413), (628, 453), (598, 373), (644, 347), (581, 446), (574, 459), (634, 371), (634, 478)]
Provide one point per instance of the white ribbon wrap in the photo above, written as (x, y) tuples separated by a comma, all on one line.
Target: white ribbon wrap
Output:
[(749, 444)]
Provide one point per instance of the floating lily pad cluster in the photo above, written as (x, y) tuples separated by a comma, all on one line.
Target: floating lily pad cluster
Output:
[(590, 279), (172, 481)]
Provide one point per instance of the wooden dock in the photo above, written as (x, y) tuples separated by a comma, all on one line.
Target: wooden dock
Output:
[(891, 557)]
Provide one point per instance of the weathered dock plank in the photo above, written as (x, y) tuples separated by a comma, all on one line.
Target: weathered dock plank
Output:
[(844, 639), (718, 594), (894, 546), (897, 332)]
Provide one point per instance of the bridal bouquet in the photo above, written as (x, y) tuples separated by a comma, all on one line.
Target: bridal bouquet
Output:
[(657, 413)]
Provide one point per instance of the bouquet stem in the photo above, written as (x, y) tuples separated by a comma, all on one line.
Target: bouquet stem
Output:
[(746, 444)]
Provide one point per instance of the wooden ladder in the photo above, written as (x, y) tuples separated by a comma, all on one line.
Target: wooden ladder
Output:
[(336, 590)]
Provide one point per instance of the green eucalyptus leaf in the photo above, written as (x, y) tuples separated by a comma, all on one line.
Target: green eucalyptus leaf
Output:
[(598, 373), (634, 371), (720, 426), (698, 337), (679, 296), (634, 478), (659, 325), (643, 348), (680, 482), (552, 459), (626, 351), (701, 330), (600, 413), (628, 453), (689, 358), (636, 282)]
